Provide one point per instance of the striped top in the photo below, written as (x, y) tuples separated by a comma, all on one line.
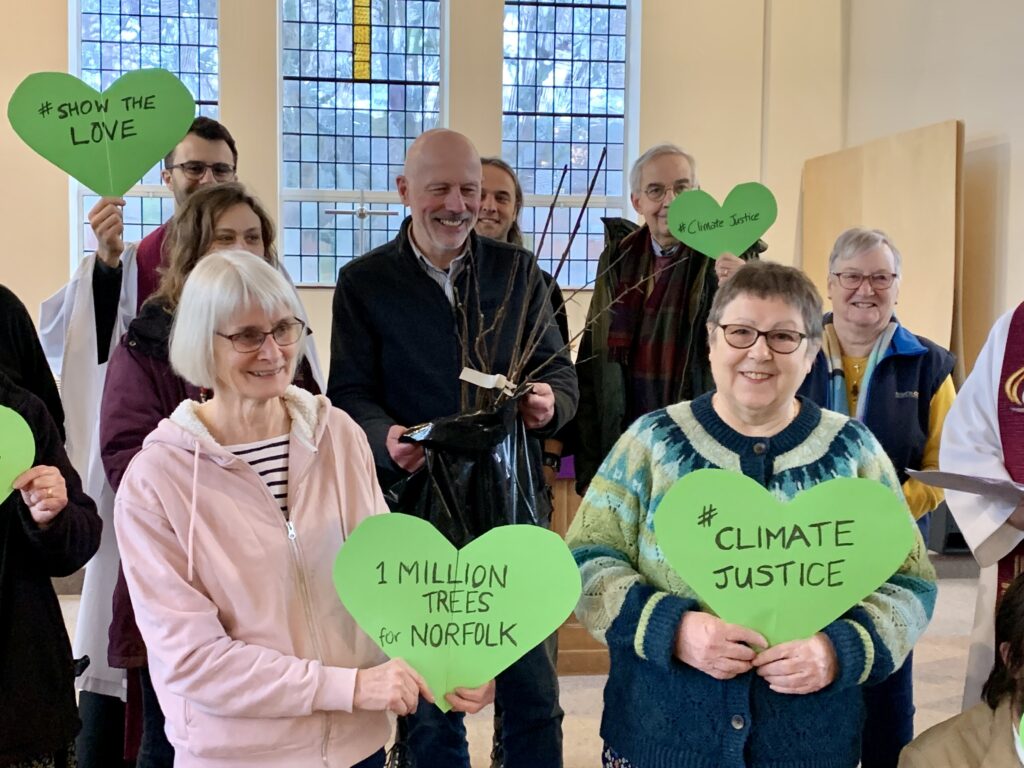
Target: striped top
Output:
[(270, 460)]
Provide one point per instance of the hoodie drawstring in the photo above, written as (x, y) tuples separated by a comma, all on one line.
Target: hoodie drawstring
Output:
[(192, 508)]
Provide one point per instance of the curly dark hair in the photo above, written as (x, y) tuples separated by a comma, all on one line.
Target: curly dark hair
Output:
[(1006, 676)]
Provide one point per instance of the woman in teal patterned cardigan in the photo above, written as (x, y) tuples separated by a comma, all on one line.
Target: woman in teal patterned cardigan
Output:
[(686, 689)]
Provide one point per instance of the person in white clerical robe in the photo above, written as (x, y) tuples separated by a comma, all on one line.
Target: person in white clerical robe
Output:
[(972, 444)]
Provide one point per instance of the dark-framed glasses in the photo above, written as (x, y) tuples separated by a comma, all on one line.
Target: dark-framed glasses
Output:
[(781, 340), (285, 333), (851, 281), (195, 170), (656, 192)]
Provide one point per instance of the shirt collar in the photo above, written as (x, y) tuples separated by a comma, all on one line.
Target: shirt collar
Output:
[(453, 269), (660, 251)]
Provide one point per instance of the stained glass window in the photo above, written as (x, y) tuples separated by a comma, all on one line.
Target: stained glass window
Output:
[(563, 101), (361, 80), (119, 36)]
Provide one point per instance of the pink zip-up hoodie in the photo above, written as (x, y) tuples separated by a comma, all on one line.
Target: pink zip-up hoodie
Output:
[(252, 655)]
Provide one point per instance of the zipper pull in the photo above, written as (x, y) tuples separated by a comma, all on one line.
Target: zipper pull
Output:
[(291, 530)]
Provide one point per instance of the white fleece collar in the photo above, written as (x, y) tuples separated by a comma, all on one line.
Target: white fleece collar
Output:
[(305, 410)]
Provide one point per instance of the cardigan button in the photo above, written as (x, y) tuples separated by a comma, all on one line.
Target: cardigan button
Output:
[(760, 448), (738, 722)]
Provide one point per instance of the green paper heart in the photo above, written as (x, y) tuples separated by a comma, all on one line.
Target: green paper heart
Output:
[(107, 141), (842, 538), (504, 593), (17, 449), (695, 218)]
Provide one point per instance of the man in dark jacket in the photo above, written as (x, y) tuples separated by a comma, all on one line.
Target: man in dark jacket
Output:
[(645, 344), (48, 527), (408, 317)]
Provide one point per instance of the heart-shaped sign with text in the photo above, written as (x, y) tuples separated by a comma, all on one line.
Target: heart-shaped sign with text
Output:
[(108, 140), (457, 616), (696, 219), (785, 570), (17, 449)]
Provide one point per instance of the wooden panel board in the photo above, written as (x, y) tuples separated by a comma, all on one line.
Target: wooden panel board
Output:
[(578, 652), (907, 185)]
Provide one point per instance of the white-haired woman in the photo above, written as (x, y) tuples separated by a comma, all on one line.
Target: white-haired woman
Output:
[(229, 520), (899, 385)]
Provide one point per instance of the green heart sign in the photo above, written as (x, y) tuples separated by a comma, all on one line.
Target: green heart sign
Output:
[(459, 617), (696, 219), (17, 449), (108, 140), (785, 570)]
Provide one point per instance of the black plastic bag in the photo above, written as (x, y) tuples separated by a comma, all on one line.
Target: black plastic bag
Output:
[(481, 471)]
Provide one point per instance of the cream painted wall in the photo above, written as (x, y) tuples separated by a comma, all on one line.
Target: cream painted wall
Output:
[(918, 62), (753, 89), (33, 214)]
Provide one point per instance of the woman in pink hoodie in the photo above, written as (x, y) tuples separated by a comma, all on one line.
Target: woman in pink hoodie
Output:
[(228, 522)]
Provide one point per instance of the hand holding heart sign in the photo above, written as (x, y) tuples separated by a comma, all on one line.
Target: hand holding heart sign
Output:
[(785, 571), (458, 617), (105, 140), (694, 218), (17, 449)]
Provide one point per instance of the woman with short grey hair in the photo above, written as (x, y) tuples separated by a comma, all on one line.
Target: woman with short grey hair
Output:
[(229, 521), (685, 687), (898, 384)]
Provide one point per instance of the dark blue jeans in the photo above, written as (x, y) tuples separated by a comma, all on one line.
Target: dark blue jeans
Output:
[(531, 720), (100, 743), (889, 726), (155, 751), (924, 525)]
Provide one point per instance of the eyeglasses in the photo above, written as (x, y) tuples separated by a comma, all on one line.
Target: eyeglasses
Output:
[(285, 333), (195, 170), (851, 281), (783, 341), (656, 192)]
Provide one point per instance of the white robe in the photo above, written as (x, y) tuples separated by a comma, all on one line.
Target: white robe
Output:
[(67, 329), (68, 334), (971, 445)]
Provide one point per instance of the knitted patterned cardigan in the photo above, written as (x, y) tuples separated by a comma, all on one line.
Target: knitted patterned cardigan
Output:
[(659, 712)]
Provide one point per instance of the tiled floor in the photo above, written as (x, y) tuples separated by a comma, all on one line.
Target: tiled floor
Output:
[(939, 663)]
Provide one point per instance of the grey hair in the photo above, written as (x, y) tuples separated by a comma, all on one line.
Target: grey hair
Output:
[(768, 280), (222, 284), (658, 150), (856, 240)]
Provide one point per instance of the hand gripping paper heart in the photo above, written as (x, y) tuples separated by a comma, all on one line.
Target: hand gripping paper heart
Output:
[(17, 448), (457, 616), (108, 140), (785, 570), (694, 218)]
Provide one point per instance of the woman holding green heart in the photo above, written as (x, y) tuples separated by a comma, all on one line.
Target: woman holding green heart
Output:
[(140, 388), (900, 386), (686, 687), (988, 735), (228, 521), (48, 527)]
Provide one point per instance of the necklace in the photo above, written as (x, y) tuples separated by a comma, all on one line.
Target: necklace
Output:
[(859, 365)]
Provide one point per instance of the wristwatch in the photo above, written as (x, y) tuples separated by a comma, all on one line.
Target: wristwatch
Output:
[(552, 460)]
